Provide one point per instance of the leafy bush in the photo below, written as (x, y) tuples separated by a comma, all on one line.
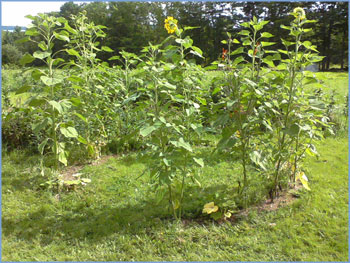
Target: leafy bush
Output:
[(11, 54)]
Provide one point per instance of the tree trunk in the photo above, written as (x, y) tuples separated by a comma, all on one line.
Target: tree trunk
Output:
[(343, 48), (329, 52)]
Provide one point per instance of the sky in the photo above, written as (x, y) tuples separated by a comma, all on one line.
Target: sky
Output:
[(13, 13)]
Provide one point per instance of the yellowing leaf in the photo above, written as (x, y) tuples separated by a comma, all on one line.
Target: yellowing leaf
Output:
[(210, 208), (303, 179)]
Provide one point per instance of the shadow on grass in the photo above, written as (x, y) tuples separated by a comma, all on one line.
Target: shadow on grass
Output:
[(81, 221)]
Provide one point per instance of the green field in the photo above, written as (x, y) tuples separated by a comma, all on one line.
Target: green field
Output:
[(116, 217)]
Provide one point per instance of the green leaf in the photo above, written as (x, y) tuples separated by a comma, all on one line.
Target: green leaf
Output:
[(41, 54), (27, 58), (82, 140), (197, 49), (69, 29), (37, 127), (50, 81), (81, 117), (181, 143), (238, 60), (237, 51), (246, 42), (244, 33), (42, 145), (266, 44), (62, 36), (114, 58), (30, 17), (69, 132), (166, 162), (35, 102), (245, 24), (62, 157), (56, 61), (32, 32), (266, 34), (23, 89), (216, 90), (190, 27), (22, 40), (199, 161), (148, 130), (56, 105), (285, 27), (255, 157), (72, 52), (106, 49)]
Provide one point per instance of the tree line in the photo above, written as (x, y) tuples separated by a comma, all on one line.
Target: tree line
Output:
[(132, 25)]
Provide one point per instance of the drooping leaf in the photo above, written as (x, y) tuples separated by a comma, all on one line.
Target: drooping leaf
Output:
[(62, 157), (62, 36), (210, 208), (56, 105), (199, 161), (303, 179), (42, 145)]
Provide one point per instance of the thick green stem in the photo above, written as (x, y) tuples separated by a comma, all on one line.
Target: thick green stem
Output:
[(290, 99)]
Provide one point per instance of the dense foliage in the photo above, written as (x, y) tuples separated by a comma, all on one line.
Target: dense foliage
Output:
[(162, 103)]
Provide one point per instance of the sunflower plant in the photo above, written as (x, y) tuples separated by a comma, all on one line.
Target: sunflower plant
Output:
[(172, 95)]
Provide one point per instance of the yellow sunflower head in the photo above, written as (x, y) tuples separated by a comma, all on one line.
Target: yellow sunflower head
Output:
[(298, 12), (170, 24)]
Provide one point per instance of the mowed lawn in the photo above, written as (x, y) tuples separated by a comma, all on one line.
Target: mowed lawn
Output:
[(116, 216)]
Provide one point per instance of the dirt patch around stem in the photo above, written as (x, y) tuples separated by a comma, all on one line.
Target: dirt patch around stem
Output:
[(283, 199), (68, 172)]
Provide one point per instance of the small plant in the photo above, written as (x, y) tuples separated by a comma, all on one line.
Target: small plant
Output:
[(217, 212)]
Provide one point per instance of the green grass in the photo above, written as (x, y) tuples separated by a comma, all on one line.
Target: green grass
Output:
[(116, 218)]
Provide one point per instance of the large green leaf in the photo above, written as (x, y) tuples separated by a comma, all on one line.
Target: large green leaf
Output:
[(56, 105), (148, 130), (37, 127), (27, 58), (181, 143), (69, 132), (41, 54), (50, 81), (62, 36)]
